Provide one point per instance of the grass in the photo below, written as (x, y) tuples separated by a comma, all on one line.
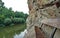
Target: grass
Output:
[(9, 32)]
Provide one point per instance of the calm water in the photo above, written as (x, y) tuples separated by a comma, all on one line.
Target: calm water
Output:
[(21, 35), (16, 35), (16, 31)]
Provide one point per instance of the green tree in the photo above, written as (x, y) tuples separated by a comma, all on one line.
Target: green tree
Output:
[(18, 20), (8, 16), (2, 17)]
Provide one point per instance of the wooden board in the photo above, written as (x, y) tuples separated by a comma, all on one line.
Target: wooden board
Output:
[(39, 33), (52, 22)]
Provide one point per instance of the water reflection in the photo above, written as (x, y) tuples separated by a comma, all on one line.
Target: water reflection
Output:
[(12, 32), (21, 35)]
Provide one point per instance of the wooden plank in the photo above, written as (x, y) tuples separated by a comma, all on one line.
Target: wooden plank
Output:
[(52, 22), (39, 33)]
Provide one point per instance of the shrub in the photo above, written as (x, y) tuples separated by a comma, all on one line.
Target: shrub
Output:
[(7, 21), (18, 20), (11, 24), (2, 17), (2, 25)]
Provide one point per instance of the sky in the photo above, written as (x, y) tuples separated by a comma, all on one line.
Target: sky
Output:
[(17, 5)]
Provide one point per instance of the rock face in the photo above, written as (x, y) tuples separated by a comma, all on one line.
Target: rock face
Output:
[(44, 14)]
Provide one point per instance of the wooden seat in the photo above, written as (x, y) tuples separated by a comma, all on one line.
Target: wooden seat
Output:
[(52, 22)]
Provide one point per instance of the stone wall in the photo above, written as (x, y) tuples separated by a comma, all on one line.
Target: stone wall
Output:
[(40, 10)]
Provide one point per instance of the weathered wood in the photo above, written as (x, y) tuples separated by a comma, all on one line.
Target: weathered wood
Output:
[(52, 22), (39, 33)]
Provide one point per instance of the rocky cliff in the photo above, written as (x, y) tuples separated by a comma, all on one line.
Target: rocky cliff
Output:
[(44, 14)]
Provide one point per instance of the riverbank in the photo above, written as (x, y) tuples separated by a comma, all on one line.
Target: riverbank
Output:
[(9, 32)]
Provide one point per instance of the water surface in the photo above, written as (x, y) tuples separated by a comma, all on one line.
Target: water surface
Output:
[(16, 31), (21, 35)]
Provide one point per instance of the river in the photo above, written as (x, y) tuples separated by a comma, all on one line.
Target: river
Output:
[(16, 31), (21, 35)]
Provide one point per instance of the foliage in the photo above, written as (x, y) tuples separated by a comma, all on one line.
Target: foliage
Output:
[(2, 25), (18, 20), (2, 17), (7, 21), (9, 17), (11, 24)]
